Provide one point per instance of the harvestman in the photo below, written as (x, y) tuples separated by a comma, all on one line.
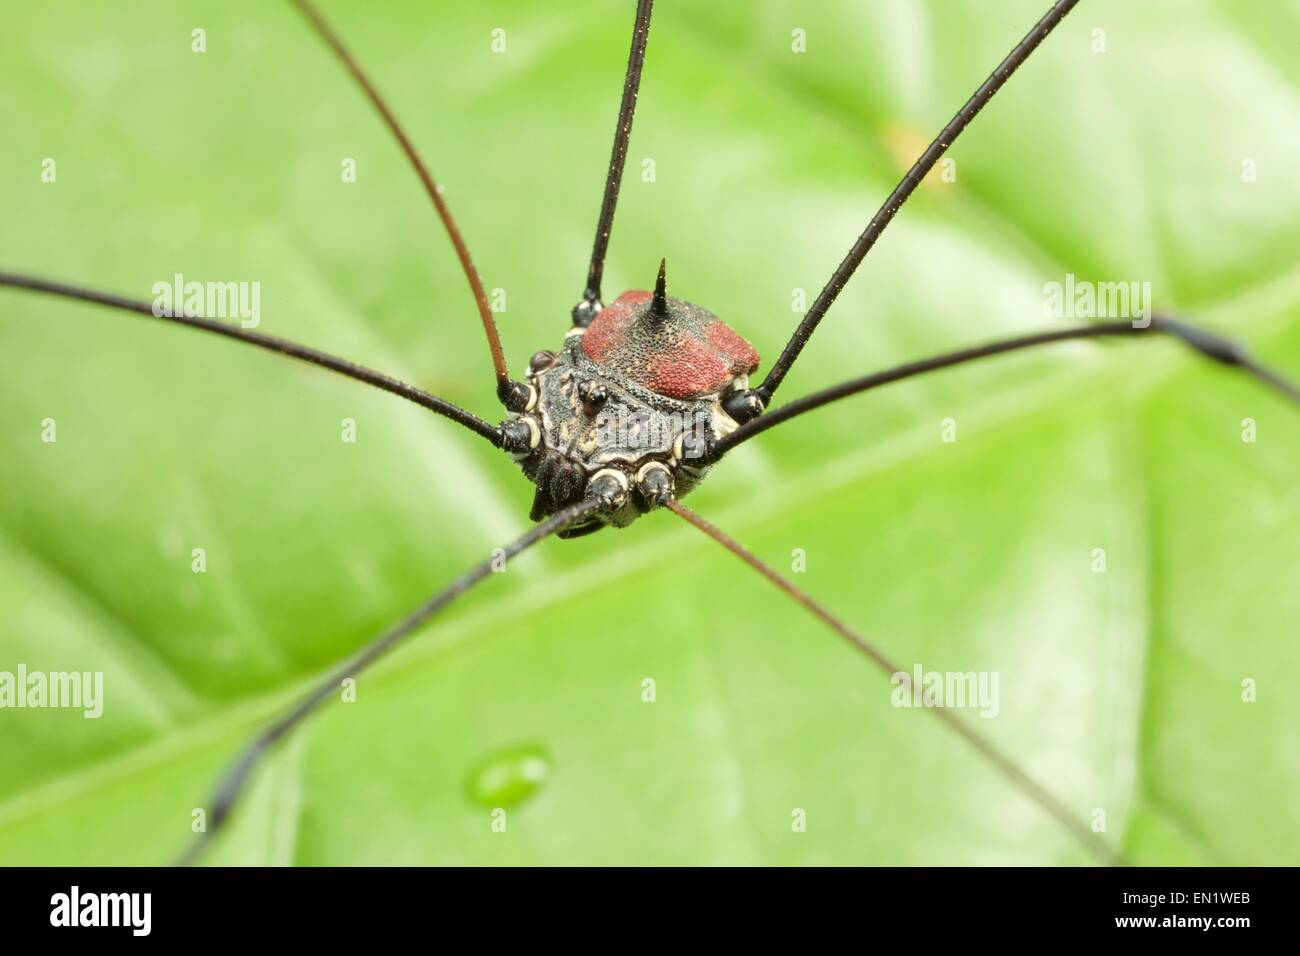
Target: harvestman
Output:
[(644, 396)]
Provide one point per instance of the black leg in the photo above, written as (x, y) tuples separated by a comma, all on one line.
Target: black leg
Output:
[(903, 190), (590, 304), (231, 785), (268, 342), (1206, 343)]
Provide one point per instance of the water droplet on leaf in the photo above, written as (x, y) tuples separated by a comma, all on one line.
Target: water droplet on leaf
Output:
[(509, 776)]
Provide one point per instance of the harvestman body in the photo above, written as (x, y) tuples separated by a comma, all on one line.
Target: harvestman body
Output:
[(644, 396), (625, 411)]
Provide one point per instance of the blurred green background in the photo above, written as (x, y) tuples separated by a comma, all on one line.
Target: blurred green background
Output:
[(1119, 690)]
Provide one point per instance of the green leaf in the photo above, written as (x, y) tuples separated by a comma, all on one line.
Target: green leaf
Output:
[(1157, 692)]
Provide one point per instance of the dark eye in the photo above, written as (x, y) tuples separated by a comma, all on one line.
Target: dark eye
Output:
[(593, 395), (541, 361)]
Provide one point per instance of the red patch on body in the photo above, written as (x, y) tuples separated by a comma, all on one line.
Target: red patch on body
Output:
[(685, 354), (691, 368), (742, 358), (608, 330)]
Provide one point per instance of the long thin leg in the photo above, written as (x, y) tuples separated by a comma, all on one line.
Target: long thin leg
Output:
[(903, 190), (586, 310), (1005, 765), (508, 391), (1206, 343), (231, 784), (268, 342)]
